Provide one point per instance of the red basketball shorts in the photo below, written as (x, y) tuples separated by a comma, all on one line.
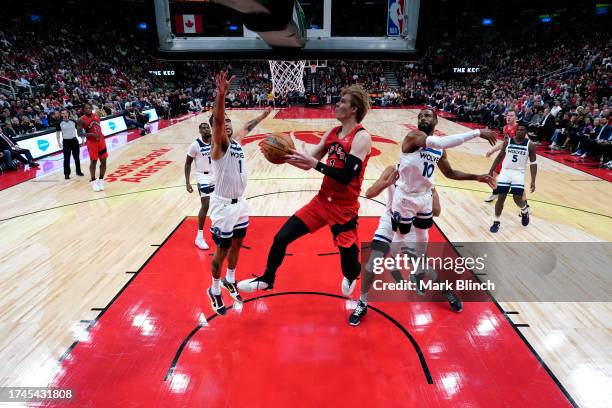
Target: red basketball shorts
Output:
[(317, 214)]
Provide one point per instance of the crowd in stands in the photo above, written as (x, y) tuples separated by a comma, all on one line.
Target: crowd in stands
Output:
[(75, 62)]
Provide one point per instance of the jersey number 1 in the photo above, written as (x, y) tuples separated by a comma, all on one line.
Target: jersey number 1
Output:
[(428, 169)]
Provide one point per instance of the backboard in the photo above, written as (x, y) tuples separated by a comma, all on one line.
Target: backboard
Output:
[(318, 29)]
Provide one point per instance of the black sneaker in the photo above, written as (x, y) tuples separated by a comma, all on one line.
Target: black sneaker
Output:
[(360, 311), (67, 177), (80, 174), (454, 302), (232, 289), (216, 302), (495, 227), (525, 217), (417, 279)]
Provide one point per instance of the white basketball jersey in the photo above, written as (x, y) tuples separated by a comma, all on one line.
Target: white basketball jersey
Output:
[(516, 155), (417, 170), (230, 172)]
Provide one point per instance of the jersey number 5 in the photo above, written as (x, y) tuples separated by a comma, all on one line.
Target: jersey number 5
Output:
[(514, 158), (428, 169)]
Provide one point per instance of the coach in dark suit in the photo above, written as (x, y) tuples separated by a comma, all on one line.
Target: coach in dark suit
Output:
[(7, 143)]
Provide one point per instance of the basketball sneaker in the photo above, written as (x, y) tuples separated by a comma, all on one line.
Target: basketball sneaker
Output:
[(94, 185), (255, 284), (525, 217), (101, 184), (490, 198), (495, 227), (454, 302), (347, 286), (232, 290), (216, 301), (360, 311), (201, 243)]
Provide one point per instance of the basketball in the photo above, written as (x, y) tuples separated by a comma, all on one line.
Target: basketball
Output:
[(276, 146)]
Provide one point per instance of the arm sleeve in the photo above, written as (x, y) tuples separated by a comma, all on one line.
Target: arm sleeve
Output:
[(445, 142), (351, 169)]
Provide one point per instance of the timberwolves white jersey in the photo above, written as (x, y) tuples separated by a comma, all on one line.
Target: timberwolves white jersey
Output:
[(230, 173), (417, 170), (516, 155)]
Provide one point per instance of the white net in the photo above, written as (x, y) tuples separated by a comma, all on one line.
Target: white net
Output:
[(287, 76)]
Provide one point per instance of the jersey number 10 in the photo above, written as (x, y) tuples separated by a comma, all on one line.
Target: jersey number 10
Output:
[(428, 169)]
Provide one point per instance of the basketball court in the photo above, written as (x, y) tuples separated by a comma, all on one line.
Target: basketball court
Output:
[(103, 292)]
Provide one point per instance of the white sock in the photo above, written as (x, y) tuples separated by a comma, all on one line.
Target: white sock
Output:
[(496, 218), (200, 234), (364, 298), (230, 275), (216, 286)]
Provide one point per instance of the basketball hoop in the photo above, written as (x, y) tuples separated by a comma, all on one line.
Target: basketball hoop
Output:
[(287, 76)]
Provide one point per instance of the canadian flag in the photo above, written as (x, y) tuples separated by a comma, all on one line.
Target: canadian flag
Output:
[(188, 23)]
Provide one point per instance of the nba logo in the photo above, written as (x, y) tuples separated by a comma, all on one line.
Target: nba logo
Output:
[(395, 18)]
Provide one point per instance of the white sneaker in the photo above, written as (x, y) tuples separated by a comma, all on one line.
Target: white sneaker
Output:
[(254, 284), (348, 288), (201, 243), (100, 184), (94, 185), (490, 198)]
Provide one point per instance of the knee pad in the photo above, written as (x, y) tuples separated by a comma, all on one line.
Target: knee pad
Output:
[(240, 233), (337, 229), (404, 228), (423, 223), (380, 246), (222, 242)]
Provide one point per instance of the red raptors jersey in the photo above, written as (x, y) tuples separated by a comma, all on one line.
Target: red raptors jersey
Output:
[(91, 124), (337, 152), (509, 131)]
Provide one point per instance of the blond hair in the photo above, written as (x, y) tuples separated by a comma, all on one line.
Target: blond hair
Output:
[(359, 99)]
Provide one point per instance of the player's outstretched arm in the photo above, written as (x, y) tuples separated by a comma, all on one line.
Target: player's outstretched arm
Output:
[(449, 172), (417, 138), (494, 149), (388, 177), (500, 156), (220, 139), (251, 124), (533, 166)]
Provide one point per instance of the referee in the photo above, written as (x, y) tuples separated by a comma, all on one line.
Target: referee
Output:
[(69, 143)]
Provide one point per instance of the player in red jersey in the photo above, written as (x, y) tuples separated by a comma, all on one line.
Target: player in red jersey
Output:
[(88, 126), (348, 149), (508, 132)]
